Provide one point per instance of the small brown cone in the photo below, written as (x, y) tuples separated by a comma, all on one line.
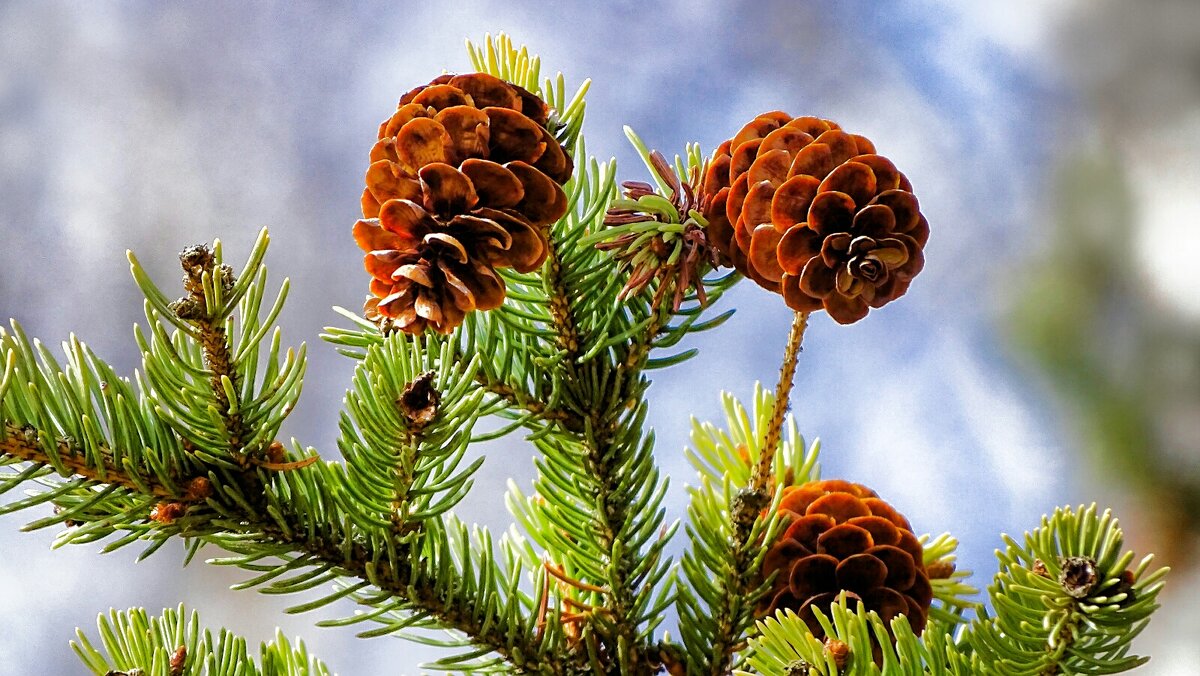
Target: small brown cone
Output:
[(810, 211), (842, 538), (465, 178)]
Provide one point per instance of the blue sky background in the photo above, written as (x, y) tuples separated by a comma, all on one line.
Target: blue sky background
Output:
[(153, 126)]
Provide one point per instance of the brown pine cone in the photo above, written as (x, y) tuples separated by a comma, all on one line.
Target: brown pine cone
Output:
[(465, 178), (842, 537), (810, 211)]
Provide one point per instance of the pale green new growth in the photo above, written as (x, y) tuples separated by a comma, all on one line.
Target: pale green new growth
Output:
[(133, 644), (720, 585)]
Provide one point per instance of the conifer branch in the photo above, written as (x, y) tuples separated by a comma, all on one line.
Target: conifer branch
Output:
[(201, 277), (399, 578), (609, 417), (1088, 600), (562, 350), (722, 583), (519, 400), (606, 334), (314, 517), (565, 325), (69, 460), (340, 553), (601, 455), (572, 326), (172, 644)]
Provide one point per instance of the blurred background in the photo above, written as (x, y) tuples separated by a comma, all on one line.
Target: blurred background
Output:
[(1049, 354)]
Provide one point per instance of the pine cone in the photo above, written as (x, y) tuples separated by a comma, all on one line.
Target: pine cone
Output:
[(810, 211), (842, 537), (465, 178)]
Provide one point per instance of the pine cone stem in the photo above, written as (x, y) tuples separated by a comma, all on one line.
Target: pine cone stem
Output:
[(783, 391)]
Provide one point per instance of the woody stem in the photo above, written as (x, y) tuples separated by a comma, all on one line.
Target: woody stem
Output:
[(783, 391)]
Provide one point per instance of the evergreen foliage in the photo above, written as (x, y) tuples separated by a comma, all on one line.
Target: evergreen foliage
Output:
[(134, 644), (188, 448), (1065, 603)]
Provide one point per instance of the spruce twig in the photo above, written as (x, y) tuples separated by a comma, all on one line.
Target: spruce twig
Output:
[(366, 561), (594, 417), (519, 400), (609, 513), (201, 276), (363, 559), (22, 442)]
